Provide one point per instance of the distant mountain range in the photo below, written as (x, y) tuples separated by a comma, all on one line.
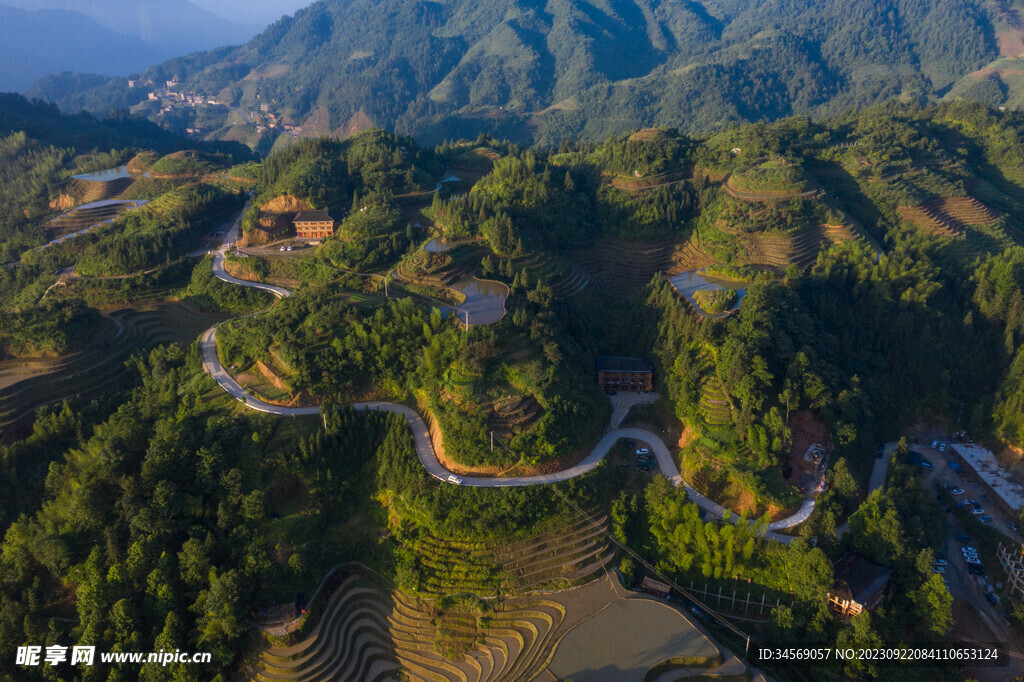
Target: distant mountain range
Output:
[(111, 37), (544, 70)]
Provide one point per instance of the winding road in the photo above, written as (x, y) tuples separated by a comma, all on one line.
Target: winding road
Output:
[(421, 434)]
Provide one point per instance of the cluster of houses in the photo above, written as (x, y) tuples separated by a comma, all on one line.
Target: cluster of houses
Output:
[(170, 98)]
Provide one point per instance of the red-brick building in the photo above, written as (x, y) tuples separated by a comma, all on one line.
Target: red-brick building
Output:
[(314, 225), (624, 374)]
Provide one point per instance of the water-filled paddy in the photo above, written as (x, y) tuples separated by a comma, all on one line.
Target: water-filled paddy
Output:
[(108, 175), (692, 281), (485, 300), (625, 640)]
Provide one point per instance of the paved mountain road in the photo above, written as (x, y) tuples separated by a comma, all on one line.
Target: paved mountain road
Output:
[(421, 434)]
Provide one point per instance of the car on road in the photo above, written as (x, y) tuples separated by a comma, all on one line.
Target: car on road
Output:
[(452, 478), (956, 491), (881, 451), (1013, 526), (992, 598)]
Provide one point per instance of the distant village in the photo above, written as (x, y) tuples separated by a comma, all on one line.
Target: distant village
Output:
[(171, 97)]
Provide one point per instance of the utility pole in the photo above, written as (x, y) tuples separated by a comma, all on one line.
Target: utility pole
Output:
[(385, 286), (467, 321), (492, 441)]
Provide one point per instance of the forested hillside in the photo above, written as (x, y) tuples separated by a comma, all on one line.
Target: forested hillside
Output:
[(550, 71), (834, 282)]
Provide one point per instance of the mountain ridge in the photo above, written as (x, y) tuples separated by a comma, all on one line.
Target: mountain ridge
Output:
[(454, 68)]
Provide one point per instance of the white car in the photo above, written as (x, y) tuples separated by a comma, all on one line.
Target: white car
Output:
[(956, 491), (942, 447), (643, 451), (977, 511), (289, 248), (452, 478), (282, 248)]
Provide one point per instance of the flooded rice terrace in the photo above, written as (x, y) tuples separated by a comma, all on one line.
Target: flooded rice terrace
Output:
[(485, 300), (692, 281)]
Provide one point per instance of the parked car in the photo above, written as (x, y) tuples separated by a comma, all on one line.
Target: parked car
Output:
[(963, 537), (956, 491), (985, 519), (452, 478), (282, 248), (942, 447), (939, 569), (289, 248), (881, 451), (940, 562), (935, 445), (976, 569), (643, 451), (1013, 526), (992, 598), (925, 464), (977, 511)]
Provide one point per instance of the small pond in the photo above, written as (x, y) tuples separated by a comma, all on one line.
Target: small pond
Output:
[(485, 300), (108, 175)]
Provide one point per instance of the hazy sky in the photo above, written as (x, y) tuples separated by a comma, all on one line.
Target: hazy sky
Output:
[(252, 11)]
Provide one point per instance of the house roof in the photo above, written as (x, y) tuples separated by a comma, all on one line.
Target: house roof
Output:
[(616, 364), (313, 217), (858, 578)]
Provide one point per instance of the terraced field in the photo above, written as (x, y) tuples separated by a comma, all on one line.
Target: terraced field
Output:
[(351, 641), (88, 215), (511, 416), (31, 384), (715, 407), (561, 274), (622, 268), (91, 190), (779, 250), (368, 631), (689, 256)]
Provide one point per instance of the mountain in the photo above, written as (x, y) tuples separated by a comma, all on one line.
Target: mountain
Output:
[(545, 70), (174, 27), (33, 44)]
